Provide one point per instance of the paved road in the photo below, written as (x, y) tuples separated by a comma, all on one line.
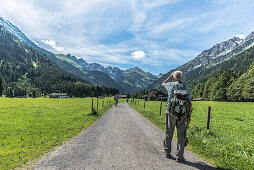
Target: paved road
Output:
[(120, 139)]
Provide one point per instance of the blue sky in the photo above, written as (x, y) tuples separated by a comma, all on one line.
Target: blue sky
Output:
[(155, 35)]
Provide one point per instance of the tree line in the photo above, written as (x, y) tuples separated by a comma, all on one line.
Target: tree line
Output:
[(226, 86)]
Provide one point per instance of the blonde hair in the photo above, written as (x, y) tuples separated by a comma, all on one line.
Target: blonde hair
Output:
[(178, 75)]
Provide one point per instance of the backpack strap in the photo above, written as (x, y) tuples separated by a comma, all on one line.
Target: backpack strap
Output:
[(184, 86), (175, 85)]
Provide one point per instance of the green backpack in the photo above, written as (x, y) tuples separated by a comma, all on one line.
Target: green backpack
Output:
[(180, 105)]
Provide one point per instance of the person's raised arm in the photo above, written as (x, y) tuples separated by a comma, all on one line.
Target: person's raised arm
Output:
[(167, 80)]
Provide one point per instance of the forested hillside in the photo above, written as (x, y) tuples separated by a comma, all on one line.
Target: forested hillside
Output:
[(26, 71), (227, 87), (223, 81), (231, 80), (235, 54)]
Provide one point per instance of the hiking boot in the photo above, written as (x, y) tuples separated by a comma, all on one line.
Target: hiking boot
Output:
[(168, 155), (180, 160)]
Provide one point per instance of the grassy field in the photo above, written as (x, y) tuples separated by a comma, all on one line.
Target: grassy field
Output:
[(228, 144), (30, 127)]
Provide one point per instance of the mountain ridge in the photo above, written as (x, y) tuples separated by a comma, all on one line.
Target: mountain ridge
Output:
[(91, 72), (113, 72), (130, 80), (209, 61), (25, 71)]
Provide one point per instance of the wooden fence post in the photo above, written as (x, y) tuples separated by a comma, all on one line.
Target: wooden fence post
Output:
[(160, 106), (208, 117), (92, 105), (97, 104), (102, 103)]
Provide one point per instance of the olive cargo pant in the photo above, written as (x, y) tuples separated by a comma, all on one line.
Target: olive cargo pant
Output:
[(172, 122)]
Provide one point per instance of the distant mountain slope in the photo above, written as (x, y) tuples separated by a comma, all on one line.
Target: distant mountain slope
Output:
[(94, 77), (214, 54), (131, 80), (67, 65), (234, 54), (26, 71), (113, 72), (21, 36), (93, 73), (136, 79), (125, 81)]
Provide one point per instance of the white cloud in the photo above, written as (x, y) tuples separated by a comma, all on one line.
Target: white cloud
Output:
[(157, 3), (52, 43), (167, 32), (101, 54), (138, 55)]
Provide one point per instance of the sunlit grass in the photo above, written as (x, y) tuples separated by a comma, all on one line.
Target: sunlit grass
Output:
[(30, 127), (228, 144)]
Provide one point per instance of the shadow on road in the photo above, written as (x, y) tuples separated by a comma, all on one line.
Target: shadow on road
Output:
[(199, 165), (120, 106)]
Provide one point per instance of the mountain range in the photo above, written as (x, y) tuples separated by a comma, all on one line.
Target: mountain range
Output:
[(25, 71), (130, 80), (235, 54), (232, 55)]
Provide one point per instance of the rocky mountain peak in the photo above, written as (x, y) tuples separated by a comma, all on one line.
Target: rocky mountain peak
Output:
[(14, 30), (250, 36), (217, 53), (159, 75)]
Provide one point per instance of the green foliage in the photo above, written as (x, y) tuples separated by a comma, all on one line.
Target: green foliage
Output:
[(32, 127), (242, 89), (1, 86), (226, 87), (208, 88), (219, 87), (228, 143), (248, 89), (141, 94), (198, 90)]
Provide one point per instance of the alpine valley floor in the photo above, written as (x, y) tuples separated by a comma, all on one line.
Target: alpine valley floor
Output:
[(120, 139)]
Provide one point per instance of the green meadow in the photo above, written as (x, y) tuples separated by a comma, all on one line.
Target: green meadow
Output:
[(228, 144), (31, 127)]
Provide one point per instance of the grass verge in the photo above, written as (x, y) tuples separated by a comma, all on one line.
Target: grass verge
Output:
[(30, 127), (228, 144)]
